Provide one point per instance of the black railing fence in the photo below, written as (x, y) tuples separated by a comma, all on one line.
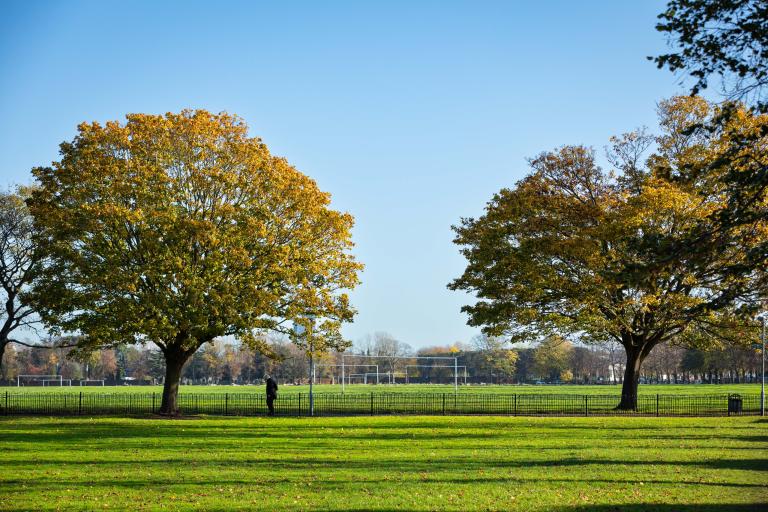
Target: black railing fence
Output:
[(374, 404)]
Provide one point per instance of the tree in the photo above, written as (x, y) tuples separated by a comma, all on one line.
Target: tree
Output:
[(725, 38), (693, 361), (524, 367), (99, 364), (288, 362), (390, 349), (213, 361), (9, 366), (178, 229), (106, 365), (19, 260), (498, 359), (552, 358), (137, 364), (573, 251), (587, 364), (664, 362)]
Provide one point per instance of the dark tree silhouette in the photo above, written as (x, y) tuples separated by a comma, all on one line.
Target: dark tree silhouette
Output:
[(723, 38), (18, 261)]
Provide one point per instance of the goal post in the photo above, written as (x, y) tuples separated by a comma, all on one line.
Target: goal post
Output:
[(41, 378), (394, 359), (349, 376), (92, 382), (362, 376), (61, 382)]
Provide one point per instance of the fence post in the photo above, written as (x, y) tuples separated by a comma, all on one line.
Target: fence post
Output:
[(371, 404), (657, 405), (80, 405), (299, 404), (6, 404), (514, 411), (153, 403), (586, 405), (443, 404), (226, 403)]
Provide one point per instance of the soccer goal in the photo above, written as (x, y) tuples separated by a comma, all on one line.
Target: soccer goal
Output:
[(374, 376), (396, 365), (356, 378), (92, 382), (429, 369), (42, 380)]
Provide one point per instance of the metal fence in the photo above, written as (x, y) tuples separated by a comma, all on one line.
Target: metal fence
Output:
[(376, 404)]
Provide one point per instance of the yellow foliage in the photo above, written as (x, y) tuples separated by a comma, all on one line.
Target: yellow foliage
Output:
[(180, 228)]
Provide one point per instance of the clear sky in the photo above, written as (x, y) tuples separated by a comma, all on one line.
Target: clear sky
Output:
[(412, 114)]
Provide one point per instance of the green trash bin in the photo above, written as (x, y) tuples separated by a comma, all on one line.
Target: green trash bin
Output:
[(735, 404)]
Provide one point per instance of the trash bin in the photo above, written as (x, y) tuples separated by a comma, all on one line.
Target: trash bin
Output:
[(734, 404)]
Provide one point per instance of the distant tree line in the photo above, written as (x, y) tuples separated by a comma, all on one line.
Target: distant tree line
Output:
[(556, 360), (486, 361)]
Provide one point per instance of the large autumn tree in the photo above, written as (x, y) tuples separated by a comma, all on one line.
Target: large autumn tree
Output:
[(578, 251), (178, 229)]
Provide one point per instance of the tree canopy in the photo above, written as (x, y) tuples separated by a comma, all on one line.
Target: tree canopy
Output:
[(178, 229), (724, 38), (498, 360), (578, 251)]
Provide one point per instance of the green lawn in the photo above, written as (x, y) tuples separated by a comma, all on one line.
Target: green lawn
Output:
[(385, 463), (613, 389)]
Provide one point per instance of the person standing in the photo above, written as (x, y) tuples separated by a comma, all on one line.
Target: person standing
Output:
[(271, 394)]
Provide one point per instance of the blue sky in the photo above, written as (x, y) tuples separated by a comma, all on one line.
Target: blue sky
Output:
[(412, 114)]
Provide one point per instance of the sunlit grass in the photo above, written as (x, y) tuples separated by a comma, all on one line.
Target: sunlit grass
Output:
[(385, 463)]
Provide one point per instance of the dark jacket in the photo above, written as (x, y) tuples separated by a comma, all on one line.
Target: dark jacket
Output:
[(271, 388)]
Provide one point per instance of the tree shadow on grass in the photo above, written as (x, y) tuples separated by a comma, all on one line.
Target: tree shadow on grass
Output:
[(74, 429), (636, 507), (425, 464), (624, 507), (332, 474), (351, 486), (665, 507)]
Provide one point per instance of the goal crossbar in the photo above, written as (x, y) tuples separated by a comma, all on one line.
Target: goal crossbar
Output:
[(85, 382), (41, 378)]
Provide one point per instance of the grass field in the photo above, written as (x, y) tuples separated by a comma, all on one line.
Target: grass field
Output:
[(608, 389), (385, 464)]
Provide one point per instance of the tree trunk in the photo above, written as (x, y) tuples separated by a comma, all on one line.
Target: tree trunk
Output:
[(174, 362), (3, 344), (631, 380)]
